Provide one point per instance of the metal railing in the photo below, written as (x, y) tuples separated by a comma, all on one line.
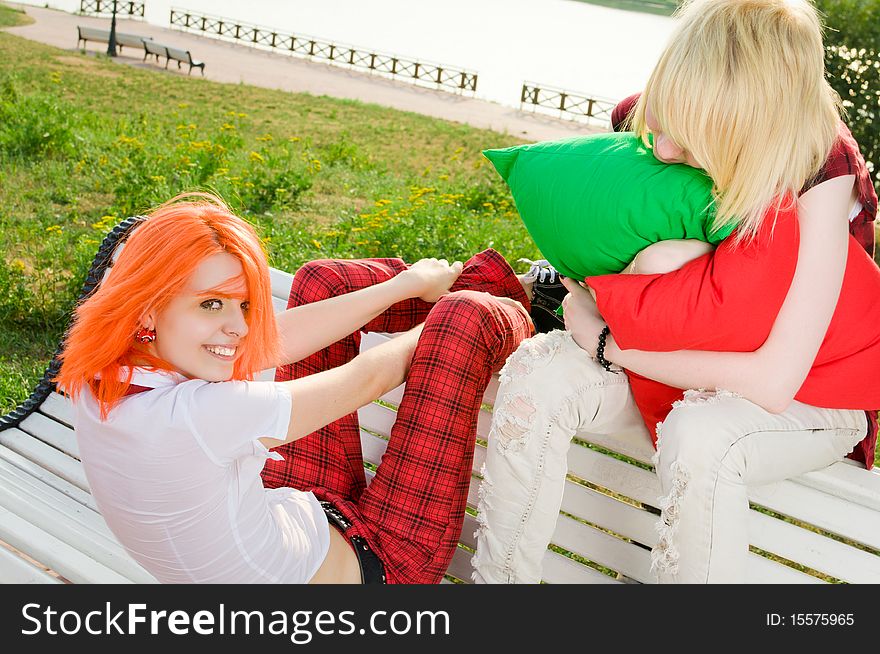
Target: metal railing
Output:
[(135, 9), (425, 73), (564, 103)]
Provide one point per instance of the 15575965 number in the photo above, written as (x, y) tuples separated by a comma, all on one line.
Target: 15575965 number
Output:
[(821, 619)]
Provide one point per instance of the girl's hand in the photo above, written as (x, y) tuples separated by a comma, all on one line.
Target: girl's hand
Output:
[(582, 316), (429, 279)]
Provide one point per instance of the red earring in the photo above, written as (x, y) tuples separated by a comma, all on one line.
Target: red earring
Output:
[(145, 335)]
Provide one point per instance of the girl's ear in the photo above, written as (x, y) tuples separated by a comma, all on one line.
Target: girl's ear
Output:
[(148, 320)]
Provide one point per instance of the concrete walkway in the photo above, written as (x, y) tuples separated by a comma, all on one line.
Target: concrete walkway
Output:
[(233, 63)]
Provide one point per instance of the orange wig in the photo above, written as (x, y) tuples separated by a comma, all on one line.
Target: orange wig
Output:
[(153, 267)]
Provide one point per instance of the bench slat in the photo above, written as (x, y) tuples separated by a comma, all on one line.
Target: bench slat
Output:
[(66, 520), (281, 281), (558, 569), (53, 433), (47, 477), (813, 550), (59, 408), (847, 480), (760, 570), (48, 457), (827, 512), (16, 570), (66, 560)]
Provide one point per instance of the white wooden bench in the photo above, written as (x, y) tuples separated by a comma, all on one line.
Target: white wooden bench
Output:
[(183, 57), (53, 532), (86, 34), (176, 54)]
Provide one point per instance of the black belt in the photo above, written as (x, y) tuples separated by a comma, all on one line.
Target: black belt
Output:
[(372, 570)]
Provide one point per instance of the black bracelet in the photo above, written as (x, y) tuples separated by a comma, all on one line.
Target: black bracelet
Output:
[(600, 350)]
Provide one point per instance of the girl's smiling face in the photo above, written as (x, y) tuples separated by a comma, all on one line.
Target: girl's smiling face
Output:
[(201, 331)]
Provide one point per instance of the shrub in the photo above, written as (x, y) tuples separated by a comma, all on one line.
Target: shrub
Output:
[(852, 56)]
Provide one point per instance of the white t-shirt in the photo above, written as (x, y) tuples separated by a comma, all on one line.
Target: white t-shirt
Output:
[(175, 472)]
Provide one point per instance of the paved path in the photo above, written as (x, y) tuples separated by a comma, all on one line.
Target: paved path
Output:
[(233, 63)]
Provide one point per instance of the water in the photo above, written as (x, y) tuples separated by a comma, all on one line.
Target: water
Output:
[(598, 51)]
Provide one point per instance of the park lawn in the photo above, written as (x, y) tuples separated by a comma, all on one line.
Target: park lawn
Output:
[(86, 142), (10, 17)]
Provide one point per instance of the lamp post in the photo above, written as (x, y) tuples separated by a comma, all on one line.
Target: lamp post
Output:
[(111, 45)]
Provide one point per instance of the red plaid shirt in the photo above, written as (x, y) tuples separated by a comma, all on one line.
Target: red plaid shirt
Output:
[(845, 158)]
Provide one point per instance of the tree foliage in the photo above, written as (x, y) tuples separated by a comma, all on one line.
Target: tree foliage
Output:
[(852, 57)]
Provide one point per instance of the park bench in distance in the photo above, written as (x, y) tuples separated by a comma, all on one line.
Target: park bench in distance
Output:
[(183, 57), (85, 34), (48, 515), (176, 54), (155, 49)]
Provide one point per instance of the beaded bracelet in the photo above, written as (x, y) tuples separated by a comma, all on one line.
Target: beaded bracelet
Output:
[(600, 350)]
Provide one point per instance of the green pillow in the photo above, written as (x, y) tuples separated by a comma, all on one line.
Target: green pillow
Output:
[(591, 203)]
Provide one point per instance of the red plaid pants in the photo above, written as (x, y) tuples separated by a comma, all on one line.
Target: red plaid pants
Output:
[(413, 510)]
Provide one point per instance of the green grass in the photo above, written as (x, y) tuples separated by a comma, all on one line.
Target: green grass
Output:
[(10, 17), (85, 142)]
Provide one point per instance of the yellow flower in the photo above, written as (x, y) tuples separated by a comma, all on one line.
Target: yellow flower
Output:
[(225, 127), (248, 184), (54, 228), (317, 243), (159, 179), (183, 105), (443, 177), (265, 137), (293, 139), (256, 157), (18, 265)]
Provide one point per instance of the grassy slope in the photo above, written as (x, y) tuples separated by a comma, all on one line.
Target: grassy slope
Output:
[(9, 17)]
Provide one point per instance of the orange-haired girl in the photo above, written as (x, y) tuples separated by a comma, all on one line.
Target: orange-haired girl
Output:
[(173, 433)]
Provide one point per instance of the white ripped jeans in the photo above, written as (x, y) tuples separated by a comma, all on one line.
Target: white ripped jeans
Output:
[(712, 447)]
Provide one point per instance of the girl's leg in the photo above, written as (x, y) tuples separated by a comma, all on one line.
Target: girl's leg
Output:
[(331, 457), (711, 448), (550, 390), (415, 505)]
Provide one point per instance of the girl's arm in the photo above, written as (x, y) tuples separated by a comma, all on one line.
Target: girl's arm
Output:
[(319, 399), (773, 374), (311, 327)]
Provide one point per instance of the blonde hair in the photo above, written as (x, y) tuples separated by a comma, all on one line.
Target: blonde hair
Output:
[(741, 86), (154, 266)]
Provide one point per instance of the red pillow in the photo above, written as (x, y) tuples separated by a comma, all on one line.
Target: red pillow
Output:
[(728, 301)]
